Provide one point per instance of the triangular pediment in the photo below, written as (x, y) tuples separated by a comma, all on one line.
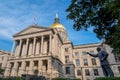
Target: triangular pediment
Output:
[(31, 29)]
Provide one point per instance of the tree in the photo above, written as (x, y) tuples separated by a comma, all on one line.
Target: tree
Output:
[(102, 15)]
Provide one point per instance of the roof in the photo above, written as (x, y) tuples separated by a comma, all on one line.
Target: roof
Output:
[(5, 52), (31, 29)]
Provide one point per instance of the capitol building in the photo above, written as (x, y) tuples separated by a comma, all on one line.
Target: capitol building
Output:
[(48, 52)]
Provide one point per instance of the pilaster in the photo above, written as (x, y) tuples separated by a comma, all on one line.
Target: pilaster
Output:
[(15, 69), (7, 70), (31, 67), (23, 67), (40, 63)]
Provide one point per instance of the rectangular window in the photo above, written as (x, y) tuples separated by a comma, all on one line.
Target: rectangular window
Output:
[(77, 62), (93, 61), (79, 72), (67, 70), (117, 58), (91, 52), (0, 65), (77, 54), (85, 62), (66, 59), (96, 72), (119, 69), (87, 73), (66, 49), (84, 53), (2, 57)]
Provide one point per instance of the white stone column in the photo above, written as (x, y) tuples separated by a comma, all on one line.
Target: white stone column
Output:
[(14, 69), (30, 50), (7, 70), (13, 47), (19, 49), (42, 39), (37, 50), (50, 43), (34, 45), (40, 63), (23, 67), (27, 43), (31, 68), (49, 66)]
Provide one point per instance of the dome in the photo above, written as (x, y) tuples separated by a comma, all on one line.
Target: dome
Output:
[(57, 24)]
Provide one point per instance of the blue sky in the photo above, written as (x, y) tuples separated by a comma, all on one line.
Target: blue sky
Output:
[(16, 15)]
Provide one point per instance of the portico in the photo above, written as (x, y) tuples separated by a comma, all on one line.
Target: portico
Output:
[(38, 45)]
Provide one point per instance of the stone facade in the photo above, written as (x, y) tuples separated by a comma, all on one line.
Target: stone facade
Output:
[(4, 56), (44, 51)]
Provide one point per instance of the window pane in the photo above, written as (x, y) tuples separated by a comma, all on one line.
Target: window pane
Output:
[(117, 57), (93, 61), (91, 52), (76, 54), (66, 59), (77, 62), (96, 72), (84, 53), (119, 69), (0, 65), (66, 49), (87, 73), (67, 70), (85, 62), (2, 57), (78, 72)]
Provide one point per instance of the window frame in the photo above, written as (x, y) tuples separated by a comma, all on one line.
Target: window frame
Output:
[(87, 72), (96, 72), (93, 60), (66, 58), (119, 69), (67, 70), (76, 54), (78, 72), (84, 53), (85, 62), (77, 63)]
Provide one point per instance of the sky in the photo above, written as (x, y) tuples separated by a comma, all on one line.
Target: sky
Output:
[(16, 15)]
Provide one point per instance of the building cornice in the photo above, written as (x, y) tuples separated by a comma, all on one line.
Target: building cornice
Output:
[(31, 26), (34, 32), (87, 45)]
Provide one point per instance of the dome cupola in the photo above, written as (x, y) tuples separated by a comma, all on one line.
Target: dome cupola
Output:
[(57, 24)]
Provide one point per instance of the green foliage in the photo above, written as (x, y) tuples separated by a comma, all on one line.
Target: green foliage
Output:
[(108, 78), (102, 15), (60, 79), (12, 78), (76, 79), (64, 79)]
